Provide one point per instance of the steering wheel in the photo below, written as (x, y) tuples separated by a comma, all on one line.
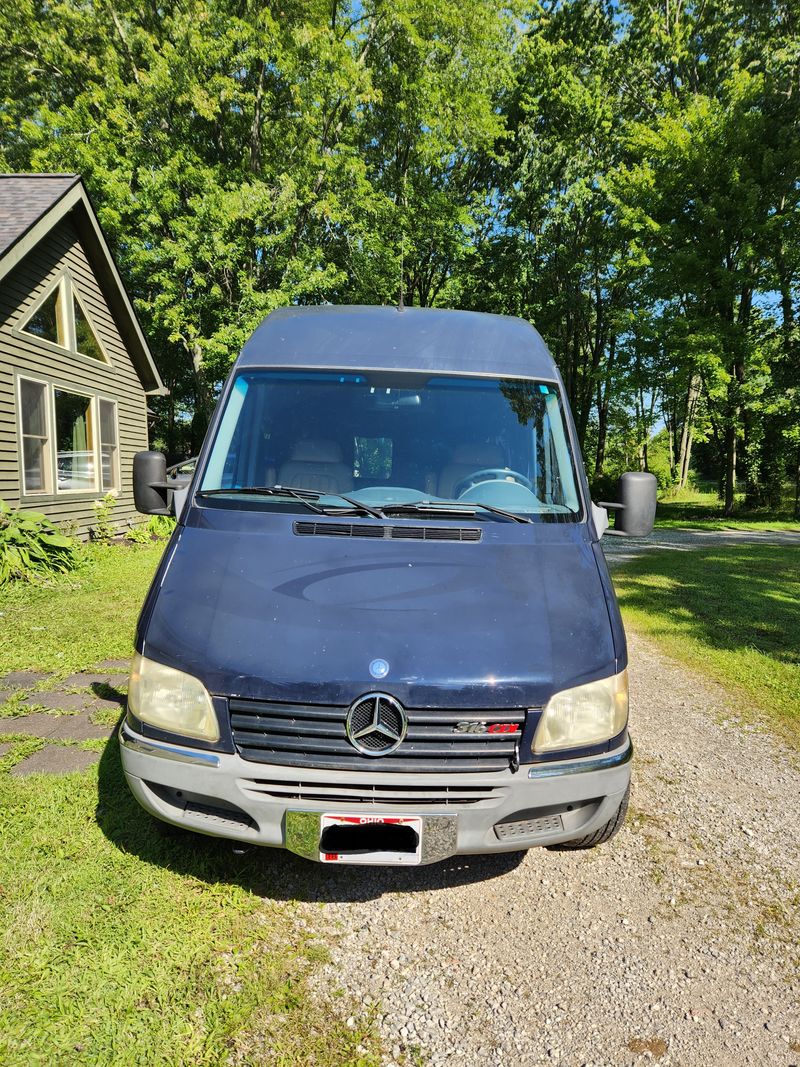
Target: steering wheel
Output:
[(490, 474)]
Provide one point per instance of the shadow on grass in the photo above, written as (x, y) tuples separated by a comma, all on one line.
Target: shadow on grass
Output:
[(267, 872), (730, 599)]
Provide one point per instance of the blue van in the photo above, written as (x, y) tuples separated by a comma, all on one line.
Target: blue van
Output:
[(383, 631)]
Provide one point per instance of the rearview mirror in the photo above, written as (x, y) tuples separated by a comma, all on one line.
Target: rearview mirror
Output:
[(636, 509), (151, 494)]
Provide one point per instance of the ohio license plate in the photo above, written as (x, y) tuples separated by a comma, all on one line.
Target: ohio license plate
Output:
[(376, 839)]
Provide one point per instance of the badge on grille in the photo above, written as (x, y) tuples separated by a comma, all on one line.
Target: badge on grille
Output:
[(376, 724)]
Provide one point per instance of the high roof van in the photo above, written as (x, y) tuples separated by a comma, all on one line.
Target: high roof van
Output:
[(383, 631)]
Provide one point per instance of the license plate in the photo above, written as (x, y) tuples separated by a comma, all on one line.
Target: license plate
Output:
[(379, 839)]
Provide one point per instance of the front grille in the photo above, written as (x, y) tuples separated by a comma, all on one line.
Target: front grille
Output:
[(313, 735), (361, 792), (406, 533)]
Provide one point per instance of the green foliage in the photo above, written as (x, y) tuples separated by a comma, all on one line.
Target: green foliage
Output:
[(702, 508), (623, 175), (104, 529), (67, 624), (139, 534), (119, 944), (157, 528), (31, 547), (122, 946), (658, 461), (732, 614), (269, 159)]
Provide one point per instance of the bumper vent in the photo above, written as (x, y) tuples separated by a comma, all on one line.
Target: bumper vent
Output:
[(358, 792), (313, 735), (399, 533), (547, 824)]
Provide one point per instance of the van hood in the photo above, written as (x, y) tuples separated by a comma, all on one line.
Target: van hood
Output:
[(256, 611)]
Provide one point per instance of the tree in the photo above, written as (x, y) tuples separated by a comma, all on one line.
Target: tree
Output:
[(623, 175)]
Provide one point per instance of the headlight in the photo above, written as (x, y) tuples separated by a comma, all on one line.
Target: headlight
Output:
[(585, 715), (171, 700)]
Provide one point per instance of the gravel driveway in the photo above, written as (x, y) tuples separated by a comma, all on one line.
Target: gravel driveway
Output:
[(676, 942), (619, 548)]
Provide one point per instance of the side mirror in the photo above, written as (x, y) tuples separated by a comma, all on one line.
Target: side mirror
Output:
[(636, 509), (151, 494)]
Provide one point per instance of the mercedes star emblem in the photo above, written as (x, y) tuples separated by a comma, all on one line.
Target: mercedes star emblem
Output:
[(376, 724)]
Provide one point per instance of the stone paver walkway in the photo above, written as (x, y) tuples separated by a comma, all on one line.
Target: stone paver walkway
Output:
[(68, 717), (22, 679), (55, 759)]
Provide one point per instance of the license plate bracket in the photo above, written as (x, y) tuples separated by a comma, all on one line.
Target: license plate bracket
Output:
[(370, 839)]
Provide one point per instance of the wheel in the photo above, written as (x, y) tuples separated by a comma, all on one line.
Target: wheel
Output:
[(599, 837), (490, 474)]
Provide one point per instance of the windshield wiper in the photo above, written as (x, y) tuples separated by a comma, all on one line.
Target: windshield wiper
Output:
[(305, 496), (310, 496), (444, 508)]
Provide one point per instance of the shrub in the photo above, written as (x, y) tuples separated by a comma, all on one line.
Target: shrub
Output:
[(161, 526), (103, 529), (32, 547), (157, 528)]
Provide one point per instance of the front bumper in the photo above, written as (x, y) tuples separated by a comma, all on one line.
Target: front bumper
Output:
[(225, 796)]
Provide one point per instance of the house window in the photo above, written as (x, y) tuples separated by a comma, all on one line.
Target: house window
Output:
[(109, 467), (75, 459), (74, 436), (61, 319), (85, 340), (35, 452), (48, 322)]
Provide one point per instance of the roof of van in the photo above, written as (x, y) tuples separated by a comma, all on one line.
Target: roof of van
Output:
[(385, 338)]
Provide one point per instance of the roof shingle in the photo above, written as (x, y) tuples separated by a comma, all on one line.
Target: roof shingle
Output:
[(24, 198)]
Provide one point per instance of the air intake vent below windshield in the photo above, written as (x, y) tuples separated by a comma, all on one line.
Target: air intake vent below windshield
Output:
[(404, 533)]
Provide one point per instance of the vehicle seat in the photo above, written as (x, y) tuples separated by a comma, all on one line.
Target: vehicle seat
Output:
[(467, 459), (317, 464), (414, 476)]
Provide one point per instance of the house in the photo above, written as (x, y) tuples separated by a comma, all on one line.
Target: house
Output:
[(75, 369)]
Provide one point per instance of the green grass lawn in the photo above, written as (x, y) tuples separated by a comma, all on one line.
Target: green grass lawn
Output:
[(79, 619), (119, 943), (732, 613), (123, 945), (702, 510)]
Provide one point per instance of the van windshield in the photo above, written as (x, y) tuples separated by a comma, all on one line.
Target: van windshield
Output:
[(393, 439)]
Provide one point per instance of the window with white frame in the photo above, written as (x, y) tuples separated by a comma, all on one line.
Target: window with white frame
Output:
[(36, 466), (61, 318), (69, 440), (75, 451), (109, 448)]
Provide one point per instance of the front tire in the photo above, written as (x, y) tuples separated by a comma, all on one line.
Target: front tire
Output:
[(599, 837)]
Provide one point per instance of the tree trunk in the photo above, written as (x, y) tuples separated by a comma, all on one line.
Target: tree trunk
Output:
[(669, 425), (603, 403), (686, 460), (749, 470), (202, 400), (692, 394), (730, 464)]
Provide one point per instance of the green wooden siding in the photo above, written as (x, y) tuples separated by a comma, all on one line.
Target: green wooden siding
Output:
[(23, 355)]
